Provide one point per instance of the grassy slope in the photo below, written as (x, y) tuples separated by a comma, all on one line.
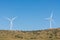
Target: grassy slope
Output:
[(51, 34)]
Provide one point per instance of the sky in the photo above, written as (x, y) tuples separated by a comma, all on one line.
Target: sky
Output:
[(30, 14)]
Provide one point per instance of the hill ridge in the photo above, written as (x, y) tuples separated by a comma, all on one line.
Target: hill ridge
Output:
[(47, 34)]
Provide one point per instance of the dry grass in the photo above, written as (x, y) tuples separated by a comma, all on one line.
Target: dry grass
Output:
[(51, 34)]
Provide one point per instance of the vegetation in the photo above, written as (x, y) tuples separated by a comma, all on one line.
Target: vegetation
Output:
[(50, 34)]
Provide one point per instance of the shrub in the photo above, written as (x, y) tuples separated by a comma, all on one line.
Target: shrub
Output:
[(18, 36)]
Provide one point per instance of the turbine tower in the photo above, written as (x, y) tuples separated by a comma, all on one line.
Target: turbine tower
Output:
[(11, 22), (50, 20)]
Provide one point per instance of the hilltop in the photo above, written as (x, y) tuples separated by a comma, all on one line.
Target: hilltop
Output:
[(49, 34)]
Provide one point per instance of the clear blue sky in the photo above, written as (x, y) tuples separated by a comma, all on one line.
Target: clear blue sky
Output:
[(30, 14)]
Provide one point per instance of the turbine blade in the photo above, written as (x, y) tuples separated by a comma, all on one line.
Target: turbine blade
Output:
[(47, 18), (51, 14), (53, 22), (8, 19), (14, 18)]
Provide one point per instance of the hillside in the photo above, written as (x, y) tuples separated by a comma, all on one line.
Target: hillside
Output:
[(50, 34)]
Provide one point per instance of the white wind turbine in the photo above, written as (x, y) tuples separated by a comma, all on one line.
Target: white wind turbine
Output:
[(50, 20), (11, 22)]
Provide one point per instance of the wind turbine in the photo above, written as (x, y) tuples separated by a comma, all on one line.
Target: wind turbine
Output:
[(11, 22), (50, 20)]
